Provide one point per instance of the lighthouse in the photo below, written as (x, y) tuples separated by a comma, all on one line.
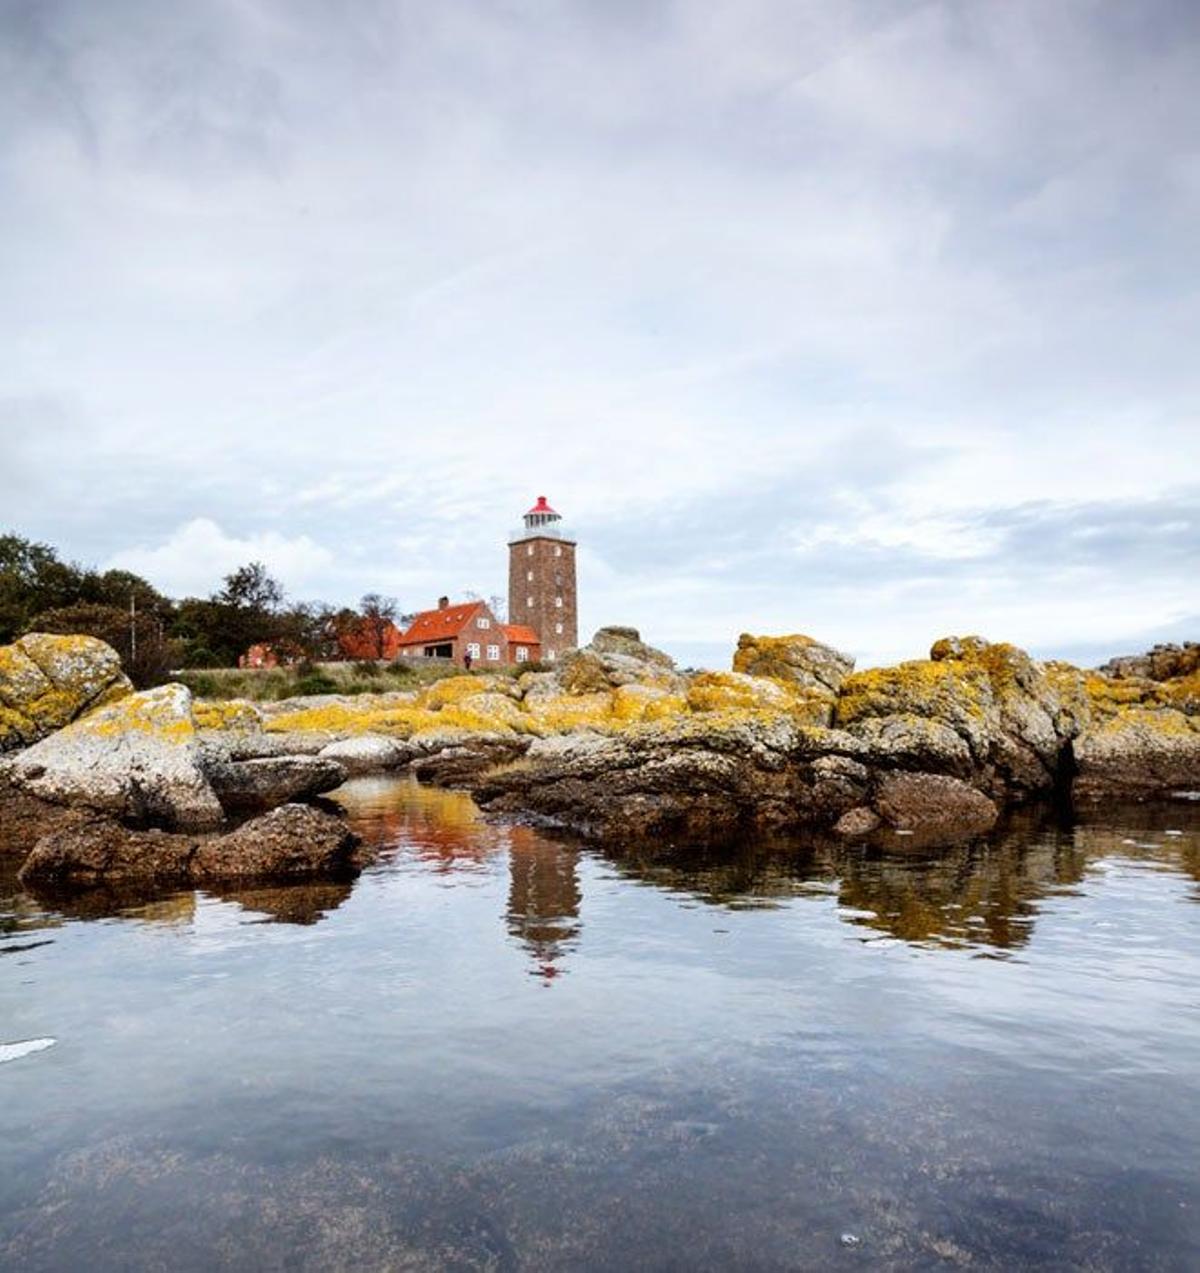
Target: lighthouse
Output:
[(541, 580)]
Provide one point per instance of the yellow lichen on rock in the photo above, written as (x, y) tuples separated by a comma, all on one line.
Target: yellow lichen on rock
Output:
[(453, 689), (232, 713), (566, 712)]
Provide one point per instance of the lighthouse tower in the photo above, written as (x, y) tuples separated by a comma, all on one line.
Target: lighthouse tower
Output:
[(541, 580)]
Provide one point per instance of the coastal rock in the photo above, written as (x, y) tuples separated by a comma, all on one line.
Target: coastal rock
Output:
[(46, 681), (461, 765), (24, 818), (89, 849), (368, 754), (994, 697), (797, 659), (268, 781), (292, 842), (628, 643), (860, 820), (1138, 753), (615, 656), (1160, 663), (137, 759), (933, 803)]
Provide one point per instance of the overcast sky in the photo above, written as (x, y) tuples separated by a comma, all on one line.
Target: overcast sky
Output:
[(875, 320)]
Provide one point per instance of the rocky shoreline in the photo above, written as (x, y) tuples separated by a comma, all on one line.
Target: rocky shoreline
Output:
[(98, 782)]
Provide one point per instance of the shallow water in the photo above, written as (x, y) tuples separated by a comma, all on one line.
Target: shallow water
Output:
[(498, 1049)]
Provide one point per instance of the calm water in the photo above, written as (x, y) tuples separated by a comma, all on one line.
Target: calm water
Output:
[(500, 1050)]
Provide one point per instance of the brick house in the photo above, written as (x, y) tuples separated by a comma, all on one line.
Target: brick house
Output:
[(468, 627)]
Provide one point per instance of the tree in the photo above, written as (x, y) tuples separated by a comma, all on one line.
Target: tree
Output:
[(147, 655), (378, 618), (32, 579), (251, 588)]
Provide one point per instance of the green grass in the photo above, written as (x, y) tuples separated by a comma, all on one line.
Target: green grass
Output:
[(263, 685)]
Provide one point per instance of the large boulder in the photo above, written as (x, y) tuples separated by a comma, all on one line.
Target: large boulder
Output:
[(796, 659), (24, 818), (933, 803), (1137, 753), (291, 842), (615, 656), (46, 681), (90, 849), (137, 759), (268, 781), (1000, 703)]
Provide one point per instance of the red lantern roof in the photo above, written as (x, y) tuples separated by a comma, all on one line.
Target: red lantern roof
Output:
[(542, 506)]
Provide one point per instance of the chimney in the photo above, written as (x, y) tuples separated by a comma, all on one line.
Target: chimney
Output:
[(443, 603)]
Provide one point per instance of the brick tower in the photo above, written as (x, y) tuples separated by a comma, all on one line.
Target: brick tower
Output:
[(541, 580)]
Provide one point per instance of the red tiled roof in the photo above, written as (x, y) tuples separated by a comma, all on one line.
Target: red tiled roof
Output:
[(440, 625), (520, 634)]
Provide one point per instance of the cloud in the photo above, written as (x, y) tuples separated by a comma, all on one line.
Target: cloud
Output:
[(839, 316), (194, 559)]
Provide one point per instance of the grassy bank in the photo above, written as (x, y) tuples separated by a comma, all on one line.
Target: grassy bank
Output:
[(262, 685)]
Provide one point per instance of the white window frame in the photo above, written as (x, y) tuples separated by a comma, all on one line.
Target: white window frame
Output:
[(558, 550), (528, 550), (550, 656), (558, 629), (522, 654), (473, 649), (483, 622), (493, 653), (529, 576), (529, 601), (558, 602)]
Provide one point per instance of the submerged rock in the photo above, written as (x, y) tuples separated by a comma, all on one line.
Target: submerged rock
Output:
[(933, 802), (137, 759)]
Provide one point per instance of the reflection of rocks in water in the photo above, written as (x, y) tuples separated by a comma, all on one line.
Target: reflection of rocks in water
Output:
[(543, 897), (984, 891), (290, 903), (981, 893), (442, 828)]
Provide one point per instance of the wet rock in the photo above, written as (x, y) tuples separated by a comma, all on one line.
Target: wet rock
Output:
[(25, 818), (91, 850), (137, 759), (1137, 754), (796, 659), (292, 842), (46, 681), (857, 821), (268, 781), (933, 802)]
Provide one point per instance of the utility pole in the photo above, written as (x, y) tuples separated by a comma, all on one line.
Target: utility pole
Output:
[(132, 629)]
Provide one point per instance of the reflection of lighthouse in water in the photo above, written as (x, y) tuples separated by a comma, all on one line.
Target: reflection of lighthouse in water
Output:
[(543, 898)]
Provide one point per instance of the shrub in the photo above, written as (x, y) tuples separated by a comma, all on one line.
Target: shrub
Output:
[(366, 667), (315, 682)]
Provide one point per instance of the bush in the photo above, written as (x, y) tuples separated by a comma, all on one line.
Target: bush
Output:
[(315, 682), (201, 684), (366, 667)]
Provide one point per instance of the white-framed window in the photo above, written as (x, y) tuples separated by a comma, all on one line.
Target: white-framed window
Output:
[(528, 550), (522, 654), (529, 576), (558, 602), (550, 656), (493, 652), (529, 601), (558, 550), (473, 649), (558, 629), (483, 622)]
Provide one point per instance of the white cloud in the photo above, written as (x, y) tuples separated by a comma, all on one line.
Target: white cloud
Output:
[(197, 555)]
